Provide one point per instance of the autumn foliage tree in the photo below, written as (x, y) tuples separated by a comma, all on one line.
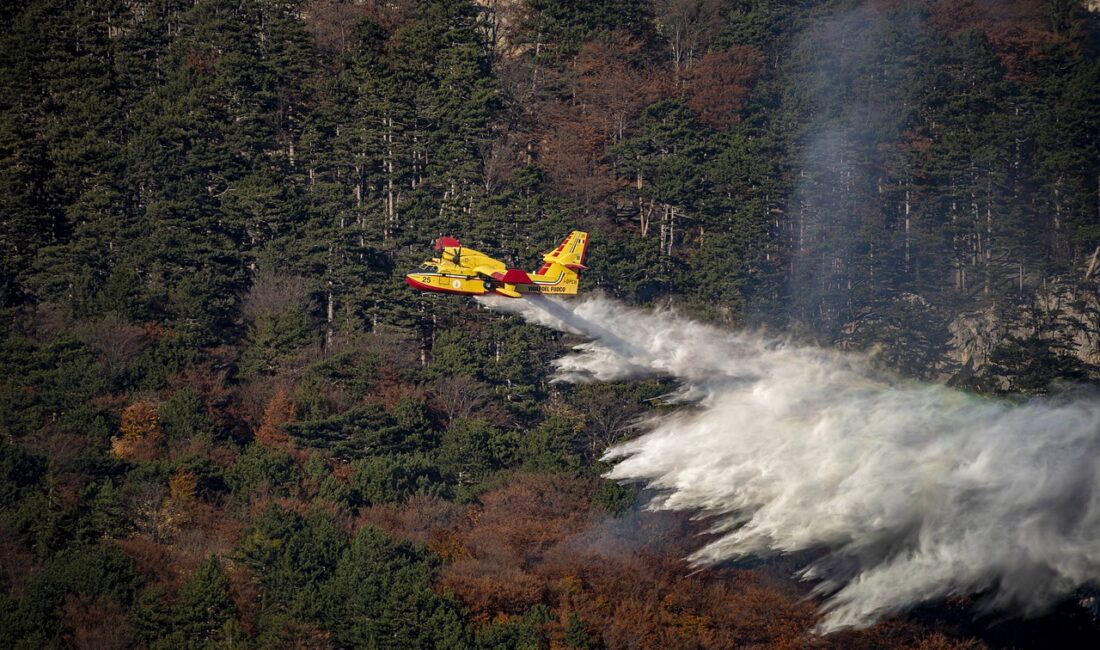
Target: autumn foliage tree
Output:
[(280, 410), (182, 489), (598, 98), (140, 434), (718, 84), (540, 542)]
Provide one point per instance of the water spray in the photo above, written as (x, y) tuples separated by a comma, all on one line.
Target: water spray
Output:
[(907, 492)]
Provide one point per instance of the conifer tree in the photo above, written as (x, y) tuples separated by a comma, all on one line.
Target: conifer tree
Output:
[(203, 613)]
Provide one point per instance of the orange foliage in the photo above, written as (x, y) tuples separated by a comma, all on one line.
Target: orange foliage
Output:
[(1015, 28), (514, 528), (597, 97), (574, 159), (141, 435), (151, 558), (490, 588), (718, 85), (421, 519), (388, 393), (182, 488), (280, 410), (139, 420), (244, 589), (538, 540), (611, 88), (531, 515), (449, 546)]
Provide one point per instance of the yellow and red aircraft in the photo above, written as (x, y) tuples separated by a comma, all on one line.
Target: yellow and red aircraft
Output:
[(466, 271)]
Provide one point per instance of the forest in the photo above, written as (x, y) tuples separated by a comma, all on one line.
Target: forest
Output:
[(225, 420)]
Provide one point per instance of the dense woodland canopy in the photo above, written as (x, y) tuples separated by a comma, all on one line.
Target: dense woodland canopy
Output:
[(225, 420)]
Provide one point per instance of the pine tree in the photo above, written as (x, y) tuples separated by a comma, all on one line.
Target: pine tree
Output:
[(380, 596), (204, 610)]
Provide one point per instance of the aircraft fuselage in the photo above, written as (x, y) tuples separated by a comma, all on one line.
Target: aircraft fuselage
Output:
[(473, 273), (471, 286)]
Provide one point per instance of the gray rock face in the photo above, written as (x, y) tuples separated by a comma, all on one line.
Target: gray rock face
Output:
[(1066, 318)]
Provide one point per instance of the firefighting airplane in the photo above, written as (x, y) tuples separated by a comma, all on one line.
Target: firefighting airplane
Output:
[(466, 271)]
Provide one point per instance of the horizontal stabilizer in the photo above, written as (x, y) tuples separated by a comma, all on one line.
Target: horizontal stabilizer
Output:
[(513, 276)]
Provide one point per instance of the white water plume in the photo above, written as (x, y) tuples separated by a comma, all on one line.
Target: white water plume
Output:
[(906, 492)]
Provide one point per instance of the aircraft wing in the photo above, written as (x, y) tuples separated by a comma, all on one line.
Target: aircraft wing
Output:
[(486, 271), (509, 276)]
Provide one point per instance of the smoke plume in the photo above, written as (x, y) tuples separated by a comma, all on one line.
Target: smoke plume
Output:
[(904, 492)]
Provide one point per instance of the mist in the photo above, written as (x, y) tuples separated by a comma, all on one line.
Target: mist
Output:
[(905, 492)]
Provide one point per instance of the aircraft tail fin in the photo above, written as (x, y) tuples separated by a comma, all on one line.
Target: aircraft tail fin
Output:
[(560, 266), (570, 253), (446, 242)]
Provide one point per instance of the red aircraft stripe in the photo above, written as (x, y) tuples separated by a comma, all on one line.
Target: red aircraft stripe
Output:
[(514, 276)]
